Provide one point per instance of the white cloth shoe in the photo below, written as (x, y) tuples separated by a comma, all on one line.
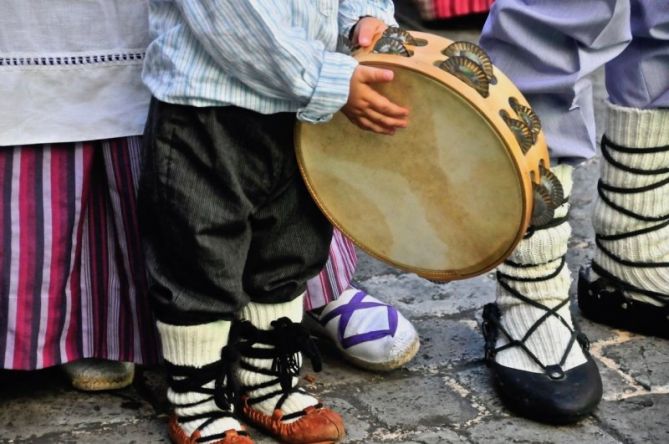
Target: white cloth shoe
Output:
[(369, 333)]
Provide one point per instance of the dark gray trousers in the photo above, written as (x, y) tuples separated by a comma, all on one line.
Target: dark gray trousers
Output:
[(226, 218)]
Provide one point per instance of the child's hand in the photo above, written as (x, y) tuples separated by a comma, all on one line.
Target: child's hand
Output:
[(368, 109), (366, 29)]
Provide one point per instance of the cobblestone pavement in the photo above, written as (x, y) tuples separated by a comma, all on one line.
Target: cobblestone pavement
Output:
[(443, 396)]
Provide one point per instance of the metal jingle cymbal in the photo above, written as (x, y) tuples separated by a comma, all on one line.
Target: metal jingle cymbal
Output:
[(469, 72)]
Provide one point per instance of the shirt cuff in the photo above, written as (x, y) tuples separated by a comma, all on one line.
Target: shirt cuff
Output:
[(332, 88), (347, 22)]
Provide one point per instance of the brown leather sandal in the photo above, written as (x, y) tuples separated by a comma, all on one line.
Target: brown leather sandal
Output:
[(178, 436), (317, 425), (286, 340)]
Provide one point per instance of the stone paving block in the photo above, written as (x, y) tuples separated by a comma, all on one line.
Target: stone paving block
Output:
[(358, 422), (336, 371), (41, 403), (476, 385), (646, 359), (140, 432), (446, 342), (417, 297), (641, 419), (518, 430), (407, 403), (616, 385), (433, 435)]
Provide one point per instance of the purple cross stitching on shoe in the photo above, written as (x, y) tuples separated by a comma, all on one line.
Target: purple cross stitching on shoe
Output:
[(346, 312)]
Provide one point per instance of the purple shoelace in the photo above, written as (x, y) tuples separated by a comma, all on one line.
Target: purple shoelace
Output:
[(346, 312)]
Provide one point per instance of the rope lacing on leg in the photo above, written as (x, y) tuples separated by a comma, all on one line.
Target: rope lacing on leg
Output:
[(185, 379), (663, 220), (286, 340), (492, 324)]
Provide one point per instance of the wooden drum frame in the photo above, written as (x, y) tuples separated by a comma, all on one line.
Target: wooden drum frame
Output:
[(450, 196)]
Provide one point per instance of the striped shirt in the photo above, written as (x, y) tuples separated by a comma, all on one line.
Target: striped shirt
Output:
[(265, 55)]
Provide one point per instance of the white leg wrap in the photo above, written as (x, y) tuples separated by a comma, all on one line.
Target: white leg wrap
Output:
[(196, 346), (632, 222), (540, 257), (261, 316)]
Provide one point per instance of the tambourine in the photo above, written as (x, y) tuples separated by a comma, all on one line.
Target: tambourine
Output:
[(450, 196)]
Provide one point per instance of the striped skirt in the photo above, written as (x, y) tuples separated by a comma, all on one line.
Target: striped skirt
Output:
[(336, 276), (72, 280), (441, 9)]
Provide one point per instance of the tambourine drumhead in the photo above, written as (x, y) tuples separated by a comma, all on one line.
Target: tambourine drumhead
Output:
[(444, 198)]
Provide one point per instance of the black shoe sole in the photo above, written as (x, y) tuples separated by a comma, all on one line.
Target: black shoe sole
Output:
[(601, 301), (538, 397)]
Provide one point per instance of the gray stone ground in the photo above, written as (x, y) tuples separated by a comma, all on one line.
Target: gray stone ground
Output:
[(443, 396)]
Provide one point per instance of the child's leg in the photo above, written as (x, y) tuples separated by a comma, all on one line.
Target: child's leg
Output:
[(630, 284), (290, 240), (212, 246)]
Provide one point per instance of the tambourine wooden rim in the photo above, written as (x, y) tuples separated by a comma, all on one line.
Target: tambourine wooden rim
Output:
[(526, 164)]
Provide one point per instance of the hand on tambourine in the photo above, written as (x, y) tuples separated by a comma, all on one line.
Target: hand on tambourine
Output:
[(365, 30), (370, 110)]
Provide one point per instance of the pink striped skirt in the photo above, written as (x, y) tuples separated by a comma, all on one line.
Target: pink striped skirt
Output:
[(336, 275), (72, 279)]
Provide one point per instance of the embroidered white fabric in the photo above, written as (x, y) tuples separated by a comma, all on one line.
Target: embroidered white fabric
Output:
[(70, 70)]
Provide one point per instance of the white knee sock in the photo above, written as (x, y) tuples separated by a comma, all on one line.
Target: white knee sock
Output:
[(194, 347), (261, 316), (635, 130), (539, 256)]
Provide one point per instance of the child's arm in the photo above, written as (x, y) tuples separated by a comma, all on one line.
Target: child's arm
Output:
[(351, 11), (365, 107), (254, 43)]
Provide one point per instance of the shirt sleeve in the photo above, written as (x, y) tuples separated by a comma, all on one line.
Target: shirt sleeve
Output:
[(250, 40), (350, 12)]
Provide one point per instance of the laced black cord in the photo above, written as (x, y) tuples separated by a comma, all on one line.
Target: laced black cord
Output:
[(283, 345), (603, 188), (492, 324), (185, 379)]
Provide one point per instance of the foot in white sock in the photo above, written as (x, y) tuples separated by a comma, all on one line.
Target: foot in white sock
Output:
[(271, 342), (198, 373), (539, 361), (628, 285)]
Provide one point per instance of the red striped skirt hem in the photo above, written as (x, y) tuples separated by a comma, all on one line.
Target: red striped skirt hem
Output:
[(72, 279)]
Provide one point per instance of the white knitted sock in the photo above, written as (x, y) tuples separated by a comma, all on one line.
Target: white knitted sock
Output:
[(635, 129), (261, 316), (196, 346), (540, 255)]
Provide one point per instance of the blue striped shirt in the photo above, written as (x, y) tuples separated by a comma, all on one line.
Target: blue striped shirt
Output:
[(265, 55)]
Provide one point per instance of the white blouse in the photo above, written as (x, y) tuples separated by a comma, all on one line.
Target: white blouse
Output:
[(70, 70)]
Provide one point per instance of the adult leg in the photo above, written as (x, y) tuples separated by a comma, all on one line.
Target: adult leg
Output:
[(548, 49), (628, 286), (367, 332)]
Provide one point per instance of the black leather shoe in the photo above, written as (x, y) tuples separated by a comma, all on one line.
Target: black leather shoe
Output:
[(555, 396), (603, 300)]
